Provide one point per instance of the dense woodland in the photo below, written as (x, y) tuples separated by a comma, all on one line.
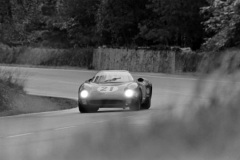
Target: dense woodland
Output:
[(205, 24)]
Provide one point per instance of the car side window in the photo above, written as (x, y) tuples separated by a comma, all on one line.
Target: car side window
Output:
[(96, 79), (92, 79)]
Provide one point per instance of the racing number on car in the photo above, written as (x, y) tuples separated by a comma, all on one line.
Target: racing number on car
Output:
[(103, 89), (107, 89)]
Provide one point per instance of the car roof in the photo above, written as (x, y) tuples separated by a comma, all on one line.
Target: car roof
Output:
[(113, 71)]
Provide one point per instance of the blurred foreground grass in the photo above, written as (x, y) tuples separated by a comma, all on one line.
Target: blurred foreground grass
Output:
[(208, 129), (205, 131)]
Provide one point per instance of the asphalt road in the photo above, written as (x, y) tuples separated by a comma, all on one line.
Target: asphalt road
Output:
[(33, 135)]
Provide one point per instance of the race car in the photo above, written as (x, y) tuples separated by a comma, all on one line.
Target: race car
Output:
[(114, 89)]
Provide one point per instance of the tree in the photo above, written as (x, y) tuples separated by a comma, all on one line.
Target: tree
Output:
[(174, 22), (223, 22), (117, 21), (5, 11), (80, 21), (5, 18), (20, 14)]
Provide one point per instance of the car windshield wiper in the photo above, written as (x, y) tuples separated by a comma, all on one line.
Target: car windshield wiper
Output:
[(113, 79)]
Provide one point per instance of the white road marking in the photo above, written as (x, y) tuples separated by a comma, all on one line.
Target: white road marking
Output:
[(67, 127), (63, 128), (100, 121), (19, 135)]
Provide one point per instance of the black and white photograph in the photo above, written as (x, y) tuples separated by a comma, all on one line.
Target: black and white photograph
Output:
[(119, 79)]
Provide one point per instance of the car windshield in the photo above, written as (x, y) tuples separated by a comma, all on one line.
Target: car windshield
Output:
[(112, 77)]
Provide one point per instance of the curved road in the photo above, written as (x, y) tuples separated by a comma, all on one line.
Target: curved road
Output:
[(33, 136)]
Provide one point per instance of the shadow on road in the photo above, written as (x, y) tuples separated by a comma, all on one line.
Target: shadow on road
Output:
[(113, 111)]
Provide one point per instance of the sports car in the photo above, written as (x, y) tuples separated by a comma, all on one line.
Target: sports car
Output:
[(114, 89)]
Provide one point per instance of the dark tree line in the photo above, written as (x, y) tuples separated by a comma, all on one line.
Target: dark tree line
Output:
[(129, 23)]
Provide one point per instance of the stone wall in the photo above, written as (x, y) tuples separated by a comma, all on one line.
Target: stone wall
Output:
[(136, 60)]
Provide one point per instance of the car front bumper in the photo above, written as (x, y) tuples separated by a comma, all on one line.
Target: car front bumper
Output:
[(108, 103)]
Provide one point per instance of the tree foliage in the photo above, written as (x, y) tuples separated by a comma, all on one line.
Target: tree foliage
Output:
[(81, 23), (26, 18), (174, 22), (118, 20), (222, 22), (151, 22)]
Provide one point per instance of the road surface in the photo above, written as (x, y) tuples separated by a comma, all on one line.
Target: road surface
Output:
[(33, 136)]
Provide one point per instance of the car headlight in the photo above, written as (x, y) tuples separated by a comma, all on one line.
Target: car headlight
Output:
[(129, 93), (84, 94)]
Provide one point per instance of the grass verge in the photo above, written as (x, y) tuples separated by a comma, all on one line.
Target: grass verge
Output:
[(13, 99), (23, 104)]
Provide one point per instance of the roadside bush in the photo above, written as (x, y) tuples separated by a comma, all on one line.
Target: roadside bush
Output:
[(71, 57), (3, 98), (226, 61), (10, 84), (188, 61)]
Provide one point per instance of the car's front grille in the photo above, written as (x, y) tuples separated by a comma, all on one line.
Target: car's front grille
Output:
[(107, 102)]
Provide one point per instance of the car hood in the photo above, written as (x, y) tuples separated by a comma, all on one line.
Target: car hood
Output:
[(109, 90)]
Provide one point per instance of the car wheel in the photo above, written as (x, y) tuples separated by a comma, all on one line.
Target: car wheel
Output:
[(83, 109), (146, 104), (136, 106), (94, 109)]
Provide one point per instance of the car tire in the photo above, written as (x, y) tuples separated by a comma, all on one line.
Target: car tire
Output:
[(83, 109), (146, 104), (136, 106), (94, 109)]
